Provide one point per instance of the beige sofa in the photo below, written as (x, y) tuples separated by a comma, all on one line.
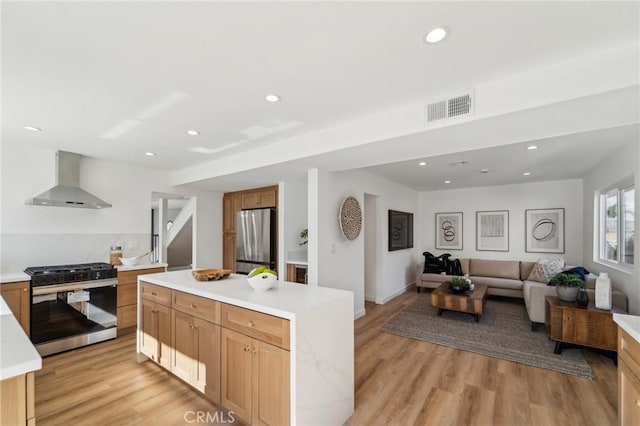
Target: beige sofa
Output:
[(509, 278)]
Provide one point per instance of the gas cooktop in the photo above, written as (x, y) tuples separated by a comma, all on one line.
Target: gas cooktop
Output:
[(60, 274)]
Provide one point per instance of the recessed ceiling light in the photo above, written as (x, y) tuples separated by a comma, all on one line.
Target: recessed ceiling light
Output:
[(436, 35), (447, 181), (32, 128), (484, 171), (532, 147), (422, 163), (150, 154), (193, 132), (526, 173), (272, 98)]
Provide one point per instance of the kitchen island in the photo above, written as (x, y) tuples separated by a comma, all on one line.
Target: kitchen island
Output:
[(281, 356)]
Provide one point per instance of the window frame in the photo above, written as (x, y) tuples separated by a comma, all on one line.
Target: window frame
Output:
[(600, 253)]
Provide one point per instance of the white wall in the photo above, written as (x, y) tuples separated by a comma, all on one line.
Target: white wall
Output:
[(338, 262), (621, 165), (565, 194), (294, 218), (37, 235)]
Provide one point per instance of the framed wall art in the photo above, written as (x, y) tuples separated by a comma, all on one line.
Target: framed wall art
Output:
[(492, 230), (544, 230), (400, 230), (449, 231)]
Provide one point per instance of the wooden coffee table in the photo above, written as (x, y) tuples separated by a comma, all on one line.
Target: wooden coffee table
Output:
[(470, 302)]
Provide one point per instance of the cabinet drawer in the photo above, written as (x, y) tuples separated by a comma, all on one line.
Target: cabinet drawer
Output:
[(197, 306), (131, 277), (155, 293), (261, 326), (127, 316), (127, 294)]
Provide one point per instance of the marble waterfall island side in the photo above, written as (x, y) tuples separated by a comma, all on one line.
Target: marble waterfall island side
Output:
[(321, 342)]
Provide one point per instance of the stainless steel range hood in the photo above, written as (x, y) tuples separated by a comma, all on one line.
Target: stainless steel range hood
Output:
[(67, 192)]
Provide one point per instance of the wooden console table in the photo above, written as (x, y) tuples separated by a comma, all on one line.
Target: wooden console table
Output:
[(580, 325)]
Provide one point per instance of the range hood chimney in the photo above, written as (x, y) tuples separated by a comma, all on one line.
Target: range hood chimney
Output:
[(67, 192)]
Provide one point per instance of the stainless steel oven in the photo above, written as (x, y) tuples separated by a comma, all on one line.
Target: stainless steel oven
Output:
[(73, 306)]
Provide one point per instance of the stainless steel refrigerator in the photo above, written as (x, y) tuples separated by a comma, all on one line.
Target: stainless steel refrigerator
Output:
[(255, 239)]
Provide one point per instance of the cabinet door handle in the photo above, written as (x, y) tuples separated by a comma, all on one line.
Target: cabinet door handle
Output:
[(25, 289), (251, 324), (154, 293), (193, 305), (247, 348), (638, 402)]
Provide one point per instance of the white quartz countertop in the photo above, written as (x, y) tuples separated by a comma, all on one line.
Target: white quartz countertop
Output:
[(13, 278), (629, 323), (284, 300), (123, 268), (17, 354)]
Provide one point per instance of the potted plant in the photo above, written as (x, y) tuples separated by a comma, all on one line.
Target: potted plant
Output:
[(304, 234), (567, 286), (459, 285)]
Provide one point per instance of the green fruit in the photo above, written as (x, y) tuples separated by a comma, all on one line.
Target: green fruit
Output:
[(256, 271)]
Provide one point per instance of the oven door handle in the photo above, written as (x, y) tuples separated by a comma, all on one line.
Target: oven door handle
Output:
[(83, 285)]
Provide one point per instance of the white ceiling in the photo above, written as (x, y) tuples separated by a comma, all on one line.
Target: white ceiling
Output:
[(115, 80)]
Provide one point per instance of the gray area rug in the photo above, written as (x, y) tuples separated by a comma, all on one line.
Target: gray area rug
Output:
[(504, 332)]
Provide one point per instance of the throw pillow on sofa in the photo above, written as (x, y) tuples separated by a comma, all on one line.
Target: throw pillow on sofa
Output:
[(546, 269), (435, 265)]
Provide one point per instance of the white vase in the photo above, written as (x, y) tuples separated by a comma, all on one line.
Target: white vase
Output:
[(603, 291)]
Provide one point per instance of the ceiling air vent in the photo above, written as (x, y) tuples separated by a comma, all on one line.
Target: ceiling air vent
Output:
[(448, 108)]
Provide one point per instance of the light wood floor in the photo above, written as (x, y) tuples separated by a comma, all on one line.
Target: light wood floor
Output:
[(399, 381)]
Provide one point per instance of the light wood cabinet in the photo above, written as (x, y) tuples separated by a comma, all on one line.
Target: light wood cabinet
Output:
[(236, 373), (229, 251), (260, 198), (236, 357), (196, 358), (628, 380), (127, 302), (232, 203), (155, 332), (255, 379), (296, 273), (17, 403), (18, 299)]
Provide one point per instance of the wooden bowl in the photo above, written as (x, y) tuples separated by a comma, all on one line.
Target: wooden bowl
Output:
[(210, 274)]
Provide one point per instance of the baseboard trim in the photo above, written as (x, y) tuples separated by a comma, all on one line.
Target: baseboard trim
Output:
[(383, 300), (359, 314)]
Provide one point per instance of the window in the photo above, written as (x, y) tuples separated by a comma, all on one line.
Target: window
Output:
[(617, 225)]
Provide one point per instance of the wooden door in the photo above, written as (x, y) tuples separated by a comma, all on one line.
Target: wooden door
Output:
[(270, 385), (184, 356), (163, 318), (229, 251), (148, 330), (236, 373), (228, 215), (18, 297), (207, 359), (629, 395)]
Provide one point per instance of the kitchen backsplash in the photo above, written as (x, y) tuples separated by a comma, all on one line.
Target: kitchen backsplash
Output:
[(22, 250)]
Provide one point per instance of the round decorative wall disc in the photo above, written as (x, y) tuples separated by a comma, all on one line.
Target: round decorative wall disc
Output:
[(350, 218)]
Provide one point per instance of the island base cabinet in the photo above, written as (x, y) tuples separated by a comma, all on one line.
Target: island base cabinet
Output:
[(196, 357), (236, 373), (17, 400), (270, 387), (628, 379), (155, 332), (255, 379)]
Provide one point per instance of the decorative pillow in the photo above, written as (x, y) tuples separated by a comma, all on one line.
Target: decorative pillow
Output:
[(546, 269)]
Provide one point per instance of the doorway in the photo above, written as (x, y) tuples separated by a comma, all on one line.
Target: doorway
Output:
[(371, 245)]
